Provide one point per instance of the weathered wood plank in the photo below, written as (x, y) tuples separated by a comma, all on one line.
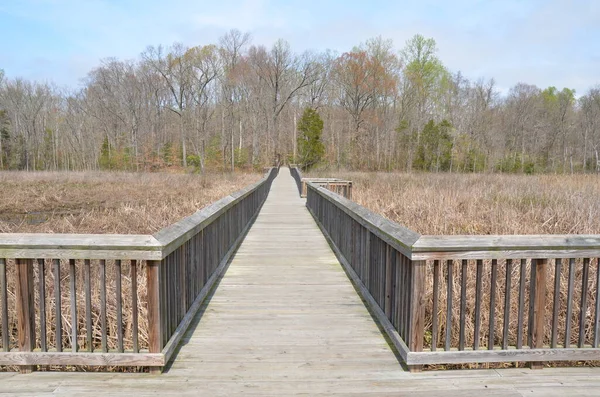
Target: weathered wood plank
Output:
[(78, 246), (73, 294), (25, 308), (510, 355), (57, 304), (81, 358), (4, 305)]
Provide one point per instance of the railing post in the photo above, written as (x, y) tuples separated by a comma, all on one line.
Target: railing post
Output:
[(416, 326), (25, 309), (539, 269), (155, 328), (388, 282)]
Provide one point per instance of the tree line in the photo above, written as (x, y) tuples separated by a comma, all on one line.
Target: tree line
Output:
[(237, 105)]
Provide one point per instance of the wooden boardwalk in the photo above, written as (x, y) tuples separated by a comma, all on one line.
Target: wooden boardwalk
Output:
[(285, 320)]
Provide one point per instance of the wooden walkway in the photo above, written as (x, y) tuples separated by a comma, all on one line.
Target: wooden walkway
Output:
[(285, 320)]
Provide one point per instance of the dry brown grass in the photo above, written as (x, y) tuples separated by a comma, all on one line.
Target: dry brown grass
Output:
[(99, 203), (452, 204), (102, 202), (445, 204)]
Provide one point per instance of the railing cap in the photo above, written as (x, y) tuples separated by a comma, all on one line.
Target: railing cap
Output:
[(119, 246)]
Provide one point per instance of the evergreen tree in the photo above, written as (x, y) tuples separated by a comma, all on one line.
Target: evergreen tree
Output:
[(105, 161), (434, 152), (310, 148)]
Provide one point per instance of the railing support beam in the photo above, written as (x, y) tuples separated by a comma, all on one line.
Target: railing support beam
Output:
[(417, 310), (155, 302), (539, 269), (25, 309)]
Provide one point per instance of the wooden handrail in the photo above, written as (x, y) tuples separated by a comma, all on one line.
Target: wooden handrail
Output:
[(409, 282), (182, 262)]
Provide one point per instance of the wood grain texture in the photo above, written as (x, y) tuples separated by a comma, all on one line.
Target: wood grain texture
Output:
[(285, 320), (4, 305)]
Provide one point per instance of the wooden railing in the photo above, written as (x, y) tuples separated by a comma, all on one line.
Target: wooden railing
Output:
[(339, 186), (469, 299), (297, 175), (156, 281)]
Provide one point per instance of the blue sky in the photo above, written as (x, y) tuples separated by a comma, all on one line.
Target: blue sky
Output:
[(552, 42)]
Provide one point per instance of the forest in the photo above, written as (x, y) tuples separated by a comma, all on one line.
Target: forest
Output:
[(235, 105)]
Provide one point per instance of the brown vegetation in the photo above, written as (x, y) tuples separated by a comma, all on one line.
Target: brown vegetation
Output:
[(100, 203), (103, 202), (444, 204), (492, 204)]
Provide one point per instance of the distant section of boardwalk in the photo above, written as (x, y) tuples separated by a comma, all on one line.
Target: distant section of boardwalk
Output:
[(286, 320)]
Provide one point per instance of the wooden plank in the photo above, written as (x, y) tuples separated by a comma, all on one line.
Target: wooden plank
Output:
[(507, 290), (73, 289), (399, 237), (155, 326), (389, 329), (119, 300), (521, 310), (570, 288), (597, 311), (78, 246), (417, 308), (88, 304), (463, 305), (4, 307), (93, 359), (134, 307), (510, 355), (24, 294), (556, 304), (449, 298), (495, 243), (57, 304), (537, 331), (103, 325), (436, 309), (175, 235), (42, 300), (175, 339), (478, 288), (388, 281), (583, 306), (492, 311)]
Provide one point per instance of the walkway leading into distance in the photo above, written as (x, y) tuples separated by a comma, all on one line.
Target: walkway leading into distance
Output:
[(286, 320)]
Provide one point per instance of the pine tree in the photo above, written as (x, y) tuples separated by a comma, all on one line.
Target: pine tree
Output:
[(310, 148)]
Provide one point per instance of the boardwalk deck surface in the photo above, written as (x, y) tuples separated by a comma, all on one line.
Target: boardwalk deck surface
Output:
[(285, 320)]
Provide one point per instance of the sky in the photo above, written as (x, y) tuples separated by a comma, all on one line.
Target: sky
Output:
[(546, 43)]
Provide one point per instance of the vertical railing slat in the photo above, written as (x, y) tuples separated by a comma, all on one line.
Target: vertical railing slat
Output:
[(134, 306), (597, 311), (492, 312), (24, 294), (88, 304), (73, 289), (538, 307), (42, 295), (4, 307), (521, 313), (583, 306), (57, 304), (103, 325), (436, 299), (507, 290), (449, 297), (556, 303), (119, 300), (478, 288), (569, 313), (463, 304)]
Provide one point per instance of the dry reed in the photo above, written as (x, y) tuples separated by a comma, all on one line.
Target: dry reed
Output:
[(483, 204), (99, 203)]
